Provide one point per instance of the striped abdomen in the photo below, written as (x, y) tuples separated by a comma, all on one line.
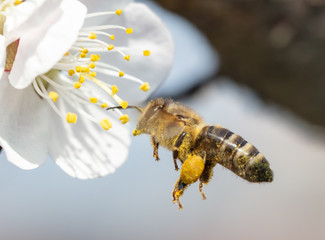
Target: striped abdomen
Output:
[(233, 152)]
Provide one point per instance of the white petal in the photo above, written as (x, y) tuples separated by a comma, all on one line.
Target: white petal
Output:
[(2, 55), (41, 46), (85, 150), (23, 125), (100, 5), (149, 34), (18, 15)]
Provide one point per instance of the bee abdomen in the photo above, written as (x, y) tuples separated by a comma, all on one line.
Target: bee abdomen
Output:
[(238, 155)]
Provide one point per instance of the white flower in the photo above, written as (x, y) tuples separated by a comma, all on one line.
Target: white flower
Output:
[(56, 79)]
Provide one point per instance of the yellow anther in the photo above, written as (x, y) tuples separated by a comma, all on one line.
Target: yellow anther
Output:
[(85, 50), (104, 105), (127, 57), (105, 123), (145, 86), (71, 117), (83, 55), (124, 119), (86, 69), (112, 37), (81, 79), (92, 65), (146, 53), (78, 69), (110, 47), (118, 12), (94, 57), (114, 89), (136, 132), (120, 73), (93, 74), (92, 35), (93, 99), (66, 54), (17, 2), (129, 30), (124, 104), (53, 95), (77, 85), (71, 72)]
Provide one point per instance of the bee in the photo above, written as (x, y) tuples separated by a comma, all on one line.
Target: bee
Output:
[(198, 146)]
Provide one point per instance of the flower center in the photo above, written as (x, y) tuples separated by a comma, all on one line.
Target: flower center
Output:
[(74, 77)]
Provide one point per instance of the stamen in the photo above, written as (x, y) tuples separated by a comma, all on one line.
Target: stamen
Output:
[(114, 89), (71, 117), (127, 57), (96, 14), (129, 30), (124, 119), (104, 105), (53, 95), (120, 73), (105, 123), (92, 35), (110, 47), (77, 85), (71, 72), (93, 99), (81, 79), (118, 12), (146, 53), (145, 87)]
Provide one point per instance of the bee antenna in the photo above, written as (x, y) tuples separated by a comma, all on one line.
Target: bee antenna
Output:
[(120, 107)]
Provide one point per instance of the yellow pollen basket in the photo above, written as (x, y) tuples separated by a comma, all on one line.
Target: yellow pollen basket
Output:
[(146, 53), (124, 118), (71, 117), (145, 87), (93, 99), (192, 169), (54, 96), (118, 12), (105, 123)]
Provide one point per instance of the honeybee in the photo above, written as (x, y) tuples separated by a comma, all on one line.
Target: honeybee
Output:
[(198, 146)]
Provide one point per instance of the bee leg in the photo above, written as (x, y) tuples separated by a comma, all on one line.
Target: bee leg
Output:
[(155, 146), (178, 191), (178, 143), (201, 190)]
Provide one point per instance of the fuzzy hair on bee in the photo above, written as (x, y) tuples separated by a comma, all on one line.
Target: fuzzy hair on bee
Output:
[(198, 146)]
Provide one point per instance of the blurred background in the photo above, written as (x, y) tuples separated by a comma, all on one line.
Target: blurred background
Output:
[(255, 67)]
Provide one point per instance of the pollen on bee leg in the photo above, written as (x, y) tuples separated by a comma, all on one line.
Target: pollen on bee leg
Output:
[(136, 132), (54, 96), (105, 123), (71, 117), (124, 118), (145, 87)]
